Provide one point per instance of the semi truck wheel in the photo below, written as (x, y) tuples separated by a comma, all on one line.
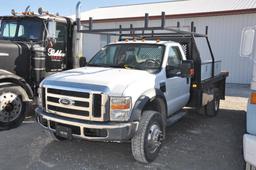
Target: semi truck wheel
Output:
[(12, 108), (212, 108), (147, 141)]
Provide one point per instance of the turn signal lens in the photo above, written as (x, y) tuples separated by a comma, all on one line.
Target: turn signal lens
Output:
[(120, 103), (253, 98), (120, 106)]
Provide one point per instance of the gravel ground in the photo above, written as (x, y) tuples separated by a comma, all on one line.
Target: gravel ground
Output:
[(195, 143)]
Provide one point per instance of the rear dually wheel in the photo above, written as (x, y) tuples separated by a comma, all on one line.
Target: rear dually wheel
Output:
[(12, 108)]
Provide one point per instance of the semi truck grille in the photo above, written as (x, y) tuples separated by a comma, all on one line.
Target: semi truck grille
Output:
[(75, 104)]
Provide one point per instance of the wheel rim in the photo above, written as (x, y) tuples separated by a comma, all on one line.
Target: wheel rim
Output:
[(154, 138), (10, 107)]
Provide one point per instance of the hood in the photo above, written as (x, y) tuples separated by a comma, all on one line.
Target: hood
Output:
[(108, 80), (15, 58)]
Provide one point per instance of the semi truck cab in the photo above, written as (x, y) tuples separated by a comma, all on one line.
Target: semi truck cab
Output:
[(32, 46)]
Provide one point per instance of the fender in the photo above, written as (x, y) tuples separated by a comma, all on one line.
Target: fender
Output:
[(8, 77), (143, 100)]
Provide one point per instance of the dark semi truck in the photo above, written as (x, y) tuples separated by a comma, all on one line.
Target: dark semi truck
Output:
[(32, 46)]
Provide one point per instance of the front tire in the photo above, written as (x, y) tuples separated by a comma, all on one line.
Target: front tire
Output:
[(148, 139), (12, 108)]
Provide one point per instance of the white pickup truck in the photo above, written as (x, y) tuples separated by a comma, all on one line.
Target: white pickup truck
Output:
[(249, 141), (131, 90)]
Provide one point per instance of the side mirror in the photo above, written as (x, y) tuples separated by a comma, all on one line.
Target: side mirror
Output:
[(187, 68), (172, 71), (51, 30), (247, 42), (82, 62)]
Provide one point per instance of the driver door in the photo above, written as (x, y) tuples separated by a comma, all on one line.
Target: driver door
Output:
[(177, 88), (57, 54)]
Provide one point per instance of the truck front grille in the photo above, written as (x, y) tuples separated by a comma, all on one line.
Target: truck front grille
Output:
[(78, 105)]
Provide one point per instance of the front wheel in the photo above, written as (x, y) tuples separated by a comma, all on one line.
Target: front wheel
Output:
[(12, 108), (148, 139)]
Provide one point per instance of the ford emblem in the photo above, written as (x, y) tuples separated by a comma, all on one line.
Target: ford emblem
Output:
[(65, 101)]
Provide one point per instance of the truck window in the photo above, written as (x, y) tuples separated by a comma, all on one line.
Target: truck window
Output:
[(21, 30), (61, 36), (174, 57), (29, 31), (136, 56), (61, 32), (9, 29)]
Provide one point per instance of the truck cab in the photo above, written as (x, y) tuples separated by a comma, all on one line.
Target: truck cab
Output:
[(23, 42), (32, 46)]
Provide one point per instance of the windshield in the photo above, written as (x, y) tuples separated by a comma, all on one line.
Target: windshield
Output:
[(21, 30), (136, 56)]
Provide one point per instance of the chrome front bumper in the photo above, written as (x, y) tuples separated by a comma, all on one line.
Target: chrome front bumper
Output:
[(98, 131)]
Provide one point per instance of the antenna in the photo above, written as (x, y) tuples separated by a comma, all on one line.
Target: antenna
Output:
[(13, 12), (27, 8)]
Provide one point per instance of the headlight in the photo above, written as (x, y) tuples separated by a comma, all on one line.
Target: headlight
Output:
[(120, 108)]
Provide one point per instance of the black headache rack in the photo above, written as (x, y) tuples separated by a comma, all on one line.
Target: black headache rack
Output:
[(165, 33)]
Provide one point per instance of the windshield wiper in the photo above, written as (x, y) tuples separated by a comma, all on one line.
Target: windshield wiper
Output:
[(126, 66)]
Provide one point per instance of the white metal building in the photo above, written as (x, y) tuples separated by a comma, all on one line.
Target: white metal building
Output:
[(225, 18)]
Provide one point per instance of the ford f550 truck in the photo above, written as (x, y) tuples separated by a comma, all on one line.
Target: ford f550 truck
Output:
[(32, 46), (132, 89)]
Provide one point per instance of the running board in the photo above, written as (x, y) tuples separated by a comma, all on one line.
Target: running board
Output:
[(175, 118)]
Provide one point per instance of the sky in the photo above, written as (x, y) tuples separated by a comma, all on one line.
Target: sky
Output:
[(63, 7)]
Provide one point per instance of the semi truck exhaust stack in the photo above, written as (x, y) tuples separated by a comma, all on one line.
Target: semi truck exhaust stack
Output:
[(78, 20)]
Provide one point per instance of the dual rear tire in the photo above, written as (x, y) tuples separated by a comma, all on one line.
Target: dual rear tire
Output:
[(212, 108), (12, 107)]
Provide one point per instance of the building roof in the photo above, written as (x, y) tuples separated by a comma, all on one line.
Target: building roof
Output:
[(178, 8)]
